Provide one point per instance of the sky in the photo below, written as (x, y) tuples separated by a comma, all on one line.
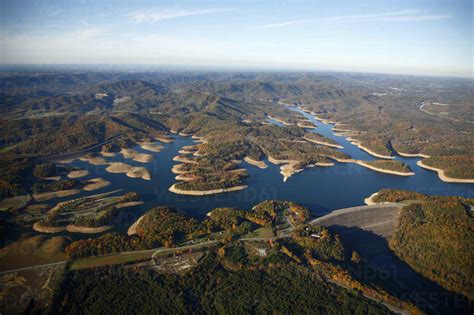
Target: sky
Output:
[(424, 37)]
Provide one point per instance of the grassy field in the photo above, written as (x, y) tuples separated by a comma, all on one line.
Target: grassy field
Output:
[(33, 251), (109, 260), (265, 231), (14, 202)]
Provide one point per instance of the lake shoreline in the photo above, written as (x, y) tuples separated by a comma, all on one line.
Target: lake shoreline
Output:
[(377, 169), (337, 146), (257, 163), (413, 155), (358, 144), (38, 227), (175, 190), (130, 171), (442, 175)]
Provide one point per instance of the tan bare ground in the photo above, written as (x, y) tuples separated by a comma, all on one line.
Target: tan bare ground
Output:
[(199, 154), (204, 192), (136, 156), (67, 161), (107, 154), (128, 204), (186, 177), (360, 146), (189, 147), (133, 228), (94, 160), (306, 124), (55, 194), (323, 120), (164, 139), (324, 164), (185, 152), (184, 159), (78, 173), (183, 134), (443, 176), (38, 227), (281, 121), (55, 178), (15, 202), (118, 167), (95, 183), (289, 169), (139, 172), (413, 154), (324, 143), (150, 146), (177, 169), (130, 171), (199, 139), (87, 230), (260, 164), (374, 168)]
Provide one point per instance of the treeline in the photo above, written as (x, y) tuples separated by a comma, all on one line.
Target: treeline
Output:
[(456, 166), (319, 243), (435, 238), (101, 218), (318, 137), (398, 195), (55, 185), (105, 244)]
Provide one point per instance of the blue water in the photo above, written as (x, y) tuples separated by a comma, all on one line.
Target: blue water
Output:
[(321, 189)]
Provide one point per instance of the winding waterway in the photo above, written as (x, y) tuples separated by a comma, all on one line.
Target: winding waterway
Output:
[(321, 189)]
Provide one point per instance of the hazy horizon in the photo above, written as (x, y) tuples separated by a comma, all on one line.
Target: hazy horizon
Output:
[(429, 38)]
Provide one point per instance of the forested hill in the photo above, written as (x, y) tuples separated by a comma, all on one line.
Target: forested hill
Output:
[(49, 113), (435, 236)]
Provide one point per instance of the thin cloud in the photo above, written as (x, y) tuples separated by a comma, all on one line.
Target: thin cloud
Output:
[(277, 25), (158, 15), (395, 16)]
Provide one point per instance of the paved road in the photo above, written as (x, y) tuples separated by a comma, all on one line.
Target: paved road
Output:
[(172, 249), (64, 155), (332, 218)]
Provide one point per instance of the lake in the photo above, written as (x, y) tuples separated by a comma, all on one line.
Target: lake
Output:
[(321, 189)]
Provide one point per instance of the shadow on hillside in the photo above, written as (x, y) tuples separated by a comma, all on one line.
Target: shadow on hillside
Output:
[(386, 270)]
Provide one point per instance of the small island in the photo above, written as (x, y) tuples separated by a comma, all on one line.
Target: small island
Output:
[(91, 214), (321, 140)]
